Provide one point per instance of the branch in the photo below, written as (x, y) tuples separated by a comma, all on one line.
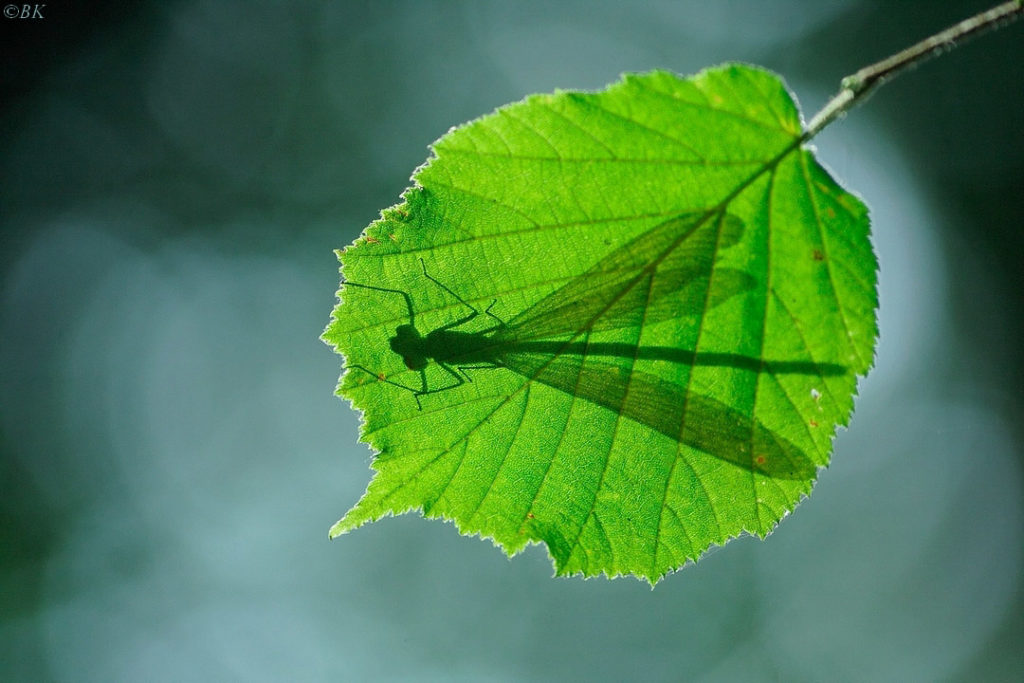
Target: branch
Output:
[(855, 87)]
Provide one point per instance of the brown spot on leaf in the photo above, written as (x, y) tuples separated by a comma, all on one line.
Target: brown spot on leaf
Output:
[(818, 256)]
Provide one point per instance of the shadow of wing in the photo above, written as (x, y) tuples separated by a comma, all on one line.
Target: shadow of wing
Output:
[(700, 422)]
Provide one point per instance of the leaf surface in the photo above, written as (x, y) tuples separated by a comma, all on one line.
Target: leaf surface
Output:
[(624, 324)]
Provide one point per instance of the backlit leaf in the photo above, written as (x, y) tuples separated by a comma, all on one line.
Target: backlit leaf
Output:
[(624, 324)]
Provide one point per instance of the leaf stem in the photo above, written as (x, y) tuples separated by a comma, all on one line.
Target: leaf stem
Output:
[(855, 87)]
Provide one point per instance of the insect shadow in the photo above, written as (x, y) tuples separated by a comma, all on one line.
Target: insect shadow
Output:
[(574, 366), (671, 268)]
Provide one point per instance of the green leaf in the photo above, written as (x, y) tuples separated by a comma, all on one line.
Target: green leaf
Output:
[(624, 324)]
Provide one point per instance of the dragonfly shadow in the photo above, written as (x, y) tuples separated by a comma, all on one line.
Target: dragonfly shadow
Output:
[(652, 278)]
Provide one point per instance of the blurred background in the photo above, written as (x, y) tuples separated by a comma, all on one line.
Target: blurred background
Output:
[(173, 179)]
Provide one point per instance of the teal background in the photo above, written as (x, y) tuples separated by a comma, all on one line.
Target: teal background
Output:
[(173, 179)]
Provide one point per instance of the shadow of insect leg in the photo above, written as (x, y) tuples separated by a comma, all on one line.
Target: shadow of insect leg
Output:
[(459, 381), (405, 296), (380, 377), (481, 366), (487, 311), (460, 321)]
